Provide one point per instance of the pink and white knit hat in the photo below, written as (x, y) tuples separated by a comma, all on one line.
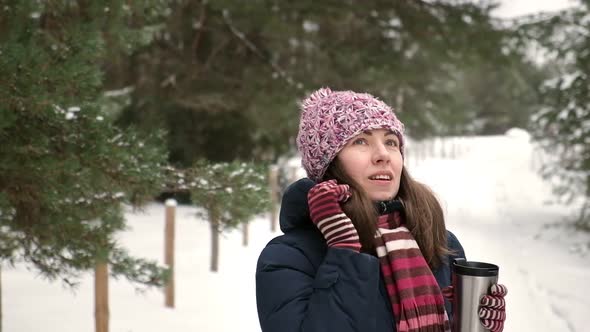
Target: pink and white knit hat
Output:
[(330, 118)]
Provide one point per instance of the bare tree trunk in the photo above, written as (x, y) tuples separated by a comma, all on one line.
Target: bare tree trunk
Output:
[(101, 297), (399, 101), (169, 251), (214, 223), (244, 234)]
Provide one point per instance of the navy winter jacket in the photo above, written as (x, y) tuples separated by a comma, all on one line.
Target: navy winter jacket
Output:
[(304, 286)]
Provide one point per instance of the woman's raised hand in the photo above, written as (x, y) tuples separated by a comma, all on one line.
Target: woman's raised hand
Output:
[(325, 211)]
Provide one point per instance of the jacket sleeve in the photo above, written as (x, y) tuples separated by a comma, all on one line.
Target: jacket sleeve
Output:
[(456, 252), (292, 297), (455, 247)]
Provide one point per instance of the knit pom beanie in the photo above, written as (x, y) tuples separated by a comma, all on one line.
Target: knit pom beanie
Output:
[(329, 119)]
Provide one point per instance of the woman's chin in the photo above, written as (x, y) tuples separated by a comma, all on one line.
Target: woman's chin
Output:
[(381, 196)]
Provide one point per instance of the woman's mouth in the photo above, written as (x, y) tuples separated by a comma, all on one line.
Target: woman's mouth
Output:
[(381, 178)]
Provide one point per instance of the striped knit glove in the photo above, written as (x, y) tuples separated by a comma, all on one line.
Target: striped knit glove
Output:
[(325, 211), (492, 309)]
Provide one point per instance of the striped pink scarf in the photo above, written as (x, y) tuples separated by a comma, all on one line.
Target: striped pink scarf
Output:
[(418, 304)]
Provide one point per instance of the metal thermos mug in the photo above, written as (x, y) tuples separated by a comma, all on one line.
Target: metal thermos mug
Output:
[(470, 280)]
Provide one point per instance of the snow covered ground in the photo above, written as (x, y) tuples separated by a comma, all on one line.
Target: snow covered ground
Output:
[(494, 202)]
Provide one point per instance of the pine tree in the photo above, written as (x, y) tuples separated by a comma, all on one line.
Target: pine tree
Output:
[(229, 193), (224, 77), (563, 123), (66, 172)]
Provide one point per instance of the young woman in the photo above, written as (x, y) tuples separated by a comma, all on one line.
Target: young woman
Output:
[(365, 246)]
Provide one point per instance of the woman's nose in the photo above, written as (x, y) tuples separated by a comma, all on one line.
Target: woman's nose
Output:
[(380, 153)]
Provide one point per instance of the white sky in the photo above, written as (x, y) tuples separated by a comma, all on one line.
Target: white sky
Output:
[(512, 8)]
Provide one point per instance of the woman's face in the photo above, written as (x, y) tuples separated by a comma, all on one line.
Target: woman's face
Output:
[(373, 159)]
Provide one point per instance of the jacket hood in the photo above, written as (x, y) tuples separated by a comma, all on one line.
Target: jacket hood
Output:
[(294, 209)]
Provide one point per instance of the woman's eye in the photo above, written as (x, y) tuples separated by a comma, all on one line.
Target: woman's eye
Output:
[(359, 141), (392, 142)]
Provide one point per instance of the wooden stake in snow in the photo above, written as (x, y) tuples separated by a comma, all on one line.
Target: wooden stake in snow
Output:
[(244, 235), (101, 297), (169, 251)]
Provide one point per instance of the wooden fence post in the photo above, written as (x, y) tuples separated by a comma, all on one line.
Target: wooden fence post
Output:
[(101, 297), (274, 189), (245, 234), (169, 231), (443, 147)]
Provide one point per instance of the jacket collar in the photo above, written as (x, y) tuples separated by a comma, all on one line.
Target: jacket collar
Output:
[(294, 209), (387, 207)]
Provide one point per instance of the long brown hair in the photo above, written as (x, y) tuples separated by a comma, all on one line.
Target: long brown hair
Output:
[(424, 215)]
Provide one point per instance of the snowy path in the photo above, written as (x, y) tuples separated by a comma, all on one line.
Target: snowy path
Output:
[(497, 207), (494, 204)]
